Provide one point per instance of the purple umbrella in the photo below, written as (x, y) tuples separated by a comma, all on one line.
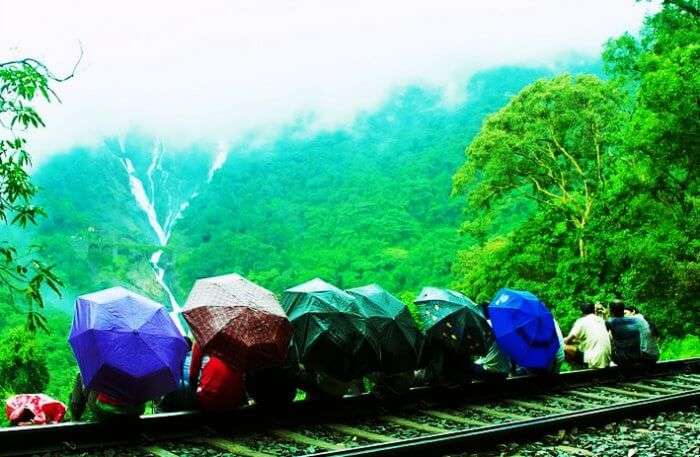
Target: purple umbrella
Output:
[(126, 345)]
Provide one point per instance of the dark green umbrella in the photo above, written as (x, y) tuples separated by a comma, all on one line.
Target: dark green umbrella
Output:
[(453, 321), (396, 337), (330, 334)]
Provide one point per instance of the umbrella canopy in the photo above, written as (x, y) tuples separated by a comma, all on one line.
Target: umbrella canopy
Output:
[(293, 294), (396, 337), (330, 335), (524, 328), (126, 345), (238, 321), (454, 321)]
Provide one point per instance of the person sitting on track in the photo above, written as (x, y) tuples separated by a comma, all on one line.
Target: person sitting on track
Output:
[(392, 385), (588, 342), (219, 386), (183, 398), (495, 365), (556, 363), (321, 386), (444, 367), (627, 335), (649, 334), (101, 406), (273, 386)]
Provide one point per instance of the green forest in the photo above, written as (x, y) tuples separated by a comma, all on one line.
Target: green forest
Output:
[(579, 183)]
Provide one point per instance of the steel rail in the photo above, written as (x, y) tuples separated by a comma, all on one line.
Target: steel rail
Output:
[(484, 437), (181, 425)]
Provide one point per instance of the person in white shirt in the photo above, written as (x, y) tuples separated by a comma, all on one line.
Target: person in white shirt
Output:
[(588, 343)]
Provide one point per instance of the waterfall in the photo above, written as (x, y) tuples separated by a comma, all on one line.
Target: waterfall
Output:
[(220, 156), (146, 201)]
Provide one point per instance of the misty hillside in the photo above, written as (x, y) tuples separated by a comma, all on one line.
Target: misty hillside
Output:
[(368, 203)]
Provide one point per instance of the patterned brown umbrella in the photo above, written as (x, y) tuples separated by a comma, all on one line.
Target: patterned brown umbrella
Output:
[(238, 321)]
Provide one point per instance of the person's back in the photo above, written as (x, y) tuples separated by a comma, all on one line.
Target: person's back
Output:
[(559, 358), (590, 334), (273, 386), (446, 366), (495, 363), (647, 344), (220, 386), (626, 336), (183, 398), (106, 408)]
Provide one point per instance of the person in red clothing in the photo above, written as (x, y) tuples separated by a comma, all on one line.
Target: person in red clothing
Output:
[(220, 387)]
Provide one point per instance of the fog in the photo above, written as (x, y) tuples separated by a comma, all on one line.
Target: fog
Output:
[(219, 69)]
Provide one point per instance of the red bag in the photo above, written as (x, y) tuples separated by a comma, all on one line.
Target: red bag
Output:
[(34, 409)]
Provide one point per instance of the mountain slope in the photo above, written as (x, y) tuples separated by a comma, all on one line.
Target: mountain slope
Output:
[(369, 203)]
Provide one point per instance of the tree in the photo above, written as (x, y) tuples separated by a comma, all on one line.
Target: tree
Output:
[(654, 234), (660, 69), (611, 168), (21, 82), (23, 367), (551, 144)]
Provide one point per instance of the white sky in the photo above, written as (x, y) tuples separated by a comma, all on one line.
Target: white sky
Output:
[(216, 69)]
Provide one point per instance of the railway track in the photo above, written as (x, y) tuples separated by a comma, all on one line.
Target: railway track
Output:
[(425, 422)]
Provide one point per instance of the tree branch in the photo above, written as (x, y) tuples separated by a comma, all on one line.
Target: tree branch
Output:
[(598, 155), (45, 70), (566, 153), (541, 189)]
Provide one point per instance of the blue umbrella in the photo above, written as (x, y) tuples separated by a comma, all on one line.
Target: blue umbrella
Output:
[(126, 345), (524, 328)]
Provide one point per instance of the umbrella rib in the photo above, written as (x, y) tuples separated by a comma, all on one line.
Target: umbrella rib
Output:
[(91, 333), (154, 352), (529, 348), (226, 324), (150, 316)]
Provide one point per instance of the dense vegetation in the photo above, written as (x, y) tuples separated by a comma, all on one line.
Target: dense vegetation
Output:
[(610, 171), (367, 203), (579, 186)]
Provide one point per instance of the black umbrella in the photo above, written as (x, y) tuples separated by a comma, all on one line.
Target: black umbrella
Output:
[(330, 334), (453, 321), (396, 338)]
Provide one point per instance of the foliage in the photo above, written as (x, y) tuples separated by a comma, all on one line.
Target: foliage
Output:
[(612, 168), (550, 144), (20, 83), (681, 348), (50, 346), (23, 366), (369, 203)]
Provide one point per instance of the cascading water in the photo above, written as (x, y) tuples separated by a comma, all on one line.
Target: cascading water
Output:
[(220, 156), (147, 202)]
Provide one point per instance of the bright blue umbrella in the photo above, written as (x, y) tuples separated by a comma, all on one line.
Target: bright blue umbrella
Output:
[(524, 328)]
